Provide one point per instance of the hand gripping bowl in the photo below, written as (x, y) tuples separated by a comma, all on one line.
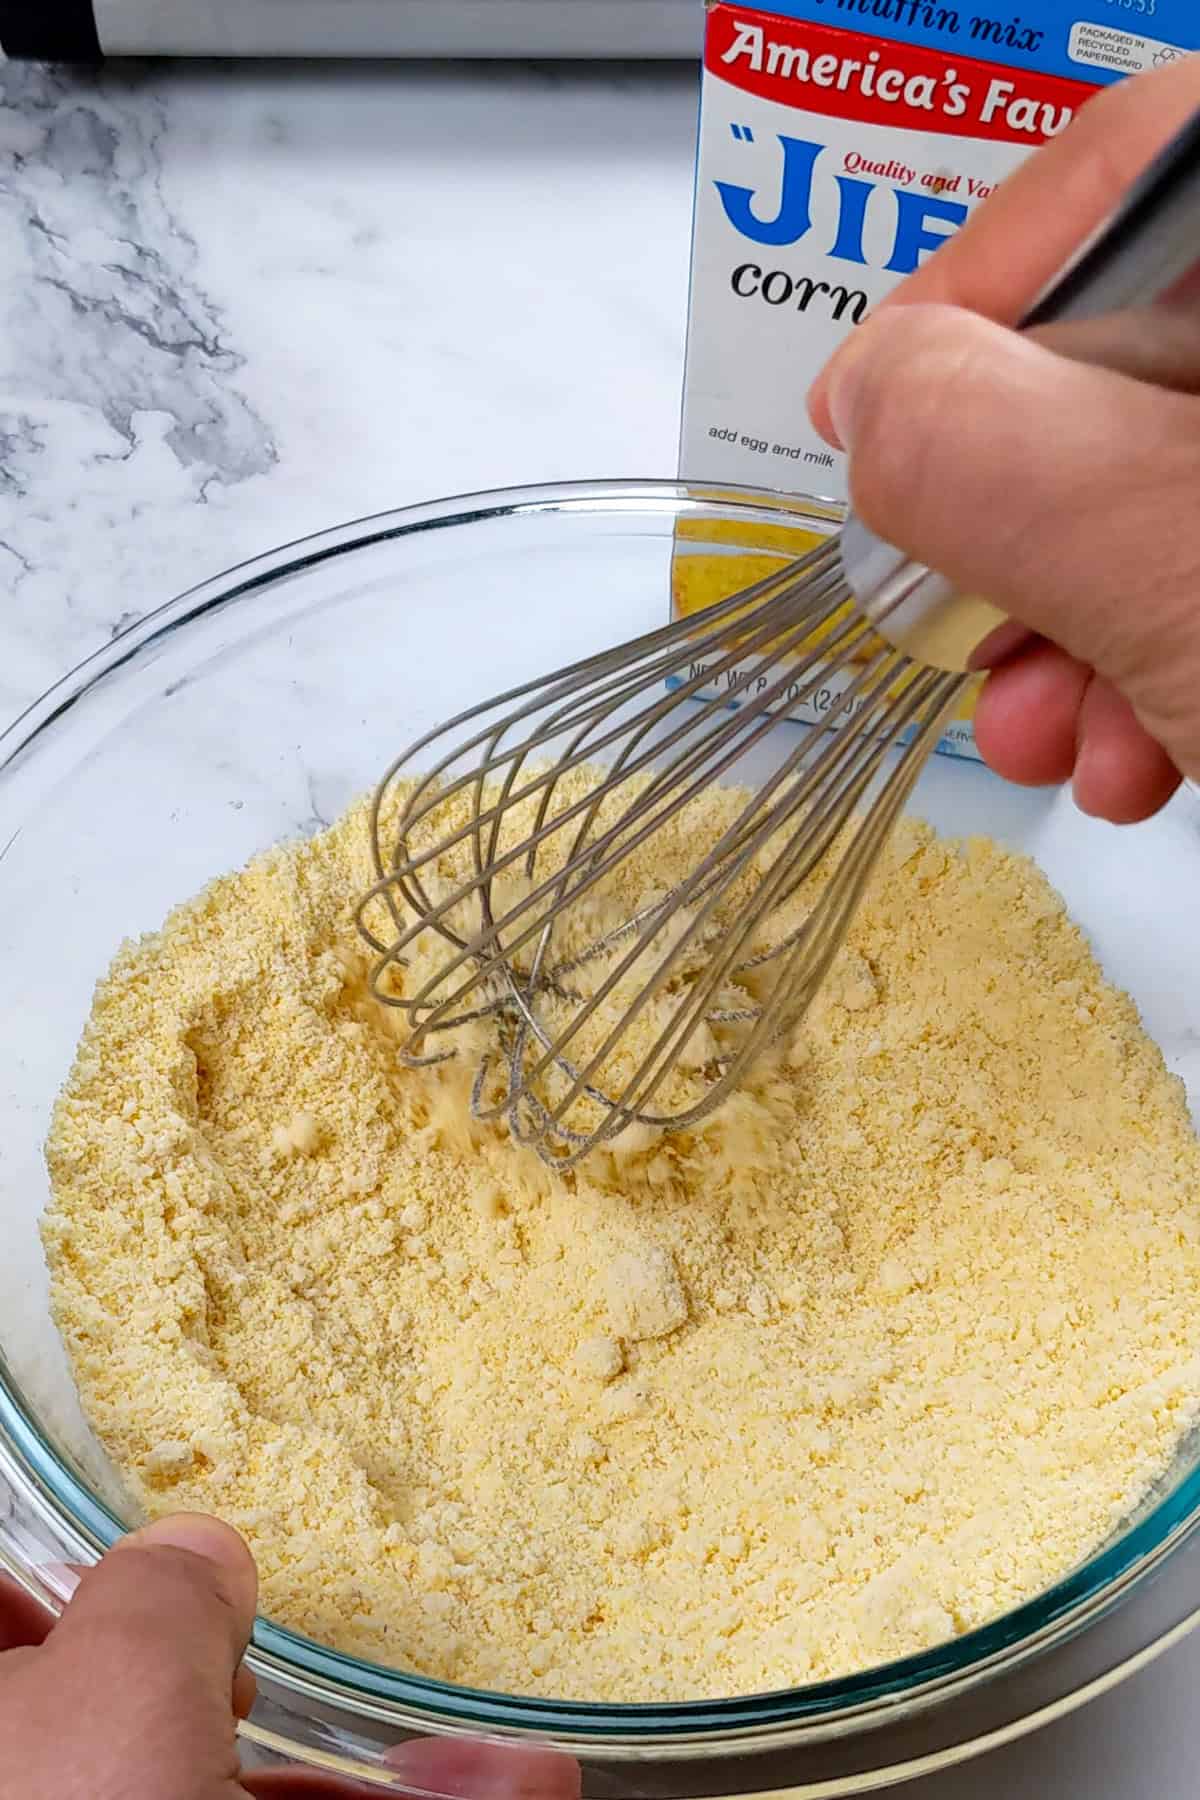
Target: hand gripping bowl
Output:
[(254, 708)]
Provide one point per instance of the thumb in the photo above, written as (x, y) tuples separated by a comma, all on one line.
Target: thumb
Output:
[(1063, 492), (148, 1650)]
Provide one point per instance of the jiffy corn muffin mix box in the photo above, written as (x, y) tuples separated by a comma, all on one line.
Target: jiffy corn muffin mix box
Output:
[(841, 141)]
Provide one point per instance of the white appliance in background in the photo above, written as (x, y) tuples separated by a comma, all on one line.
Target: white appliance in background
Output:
[(89, 30)]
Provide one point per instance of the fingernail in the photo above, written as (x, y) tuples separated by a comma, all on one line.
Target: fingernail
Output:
[(216, 1544), (839, 400), (195, 1532), (845, 378), (864, 355), (999, 645)]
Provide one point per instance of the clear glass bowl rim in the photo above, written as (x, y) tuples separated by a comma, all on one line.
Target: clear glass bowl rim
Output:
[(1052, 1618)]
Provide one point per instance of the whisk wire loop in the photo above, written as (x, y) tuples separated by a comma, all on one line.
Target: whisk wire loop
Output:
[(515, 916)]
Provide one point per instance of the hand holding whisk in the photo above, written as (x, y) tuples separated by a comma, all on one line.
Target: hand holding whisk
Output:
[(521, 915)]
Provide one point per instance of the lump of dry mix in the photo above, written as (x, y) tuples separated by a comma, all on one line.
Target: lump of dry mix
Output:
[(876, 1352)]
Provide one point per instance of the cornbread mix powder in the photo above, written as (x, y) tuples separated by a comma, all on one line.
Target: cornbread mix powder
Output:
[(880, 1350)]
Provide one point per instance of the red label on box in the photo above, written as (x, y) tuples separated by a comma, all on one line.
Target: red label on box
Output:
[(850, 76)]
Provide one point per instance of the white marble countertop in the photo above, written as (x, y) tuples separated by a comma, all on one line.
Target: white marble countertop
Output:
[(239, 306), (235, 309)]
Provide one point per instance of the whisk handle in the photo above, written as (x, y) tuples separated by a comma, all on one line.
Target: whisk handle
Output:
[(1140, 254), (1143, 250)]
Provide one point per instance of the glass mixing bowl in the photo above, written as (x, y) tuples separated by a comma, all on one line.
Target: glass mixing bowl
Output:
[(255, 707)]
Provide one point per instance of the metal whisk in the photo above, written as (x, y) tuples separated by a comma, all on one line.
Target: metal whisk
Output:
[(499, 923)]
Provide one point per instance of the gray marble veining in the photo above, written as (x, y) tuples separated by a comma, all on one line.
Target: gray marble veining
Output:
[(110, 315), (240, 306)]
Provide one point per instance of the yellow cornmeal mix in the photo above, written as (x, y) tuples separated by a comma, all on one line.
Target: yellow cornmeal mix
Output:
[(878, 1351)]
